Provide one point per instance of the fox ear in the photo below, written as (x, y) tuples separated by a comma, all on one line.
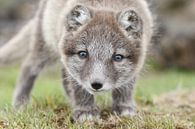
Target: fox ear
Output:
[(78, 16), (131, 22)]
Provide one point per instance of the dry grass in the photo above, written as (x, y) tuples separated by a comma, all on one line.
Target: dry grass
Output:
[(165, 113)]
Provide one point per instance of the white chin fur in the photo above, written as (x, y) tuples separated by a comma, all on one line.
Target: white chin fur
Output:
[(90, 91)]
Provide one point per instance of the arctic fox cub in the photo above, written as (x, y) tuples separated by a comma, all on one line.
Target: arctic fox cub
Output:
[(101, 43)]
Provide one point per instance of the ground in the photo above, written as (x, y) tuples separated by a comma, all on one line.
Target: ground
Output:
[(165, 100)]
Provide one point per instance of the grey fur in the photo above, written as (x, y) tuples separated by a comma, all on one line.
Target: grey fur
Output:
[(81, 100), (123, 103), (33, 64), (132, 23), (102, 28), (78, 16)]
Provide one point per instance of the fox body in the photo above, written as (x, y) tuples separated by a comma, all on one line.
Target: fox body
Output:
[(102, 45)]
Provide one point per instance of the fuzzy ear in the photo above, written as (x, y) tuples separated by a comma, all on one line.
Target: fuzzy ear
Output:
[(78, 16), (131, 22)]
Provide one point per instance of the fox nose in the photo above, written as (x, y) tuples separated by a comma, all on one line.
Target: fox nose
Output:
[(96, 85)]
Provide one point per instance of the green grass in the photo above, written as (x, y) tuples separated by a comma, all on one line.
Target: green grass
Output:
[(157, 82), (48, 84), (49, 108)]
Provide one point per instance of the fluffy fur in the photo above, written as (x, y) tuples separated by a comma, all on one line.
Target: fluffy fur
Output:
[(101, 28)]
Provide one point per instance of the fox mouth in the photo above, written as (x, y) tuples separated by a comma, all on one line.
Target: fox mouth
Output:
[(93, 91)]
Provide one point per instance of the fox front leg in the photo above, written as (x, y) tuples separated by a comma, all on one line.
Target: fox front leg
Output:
[(84, 107), (123, 103)]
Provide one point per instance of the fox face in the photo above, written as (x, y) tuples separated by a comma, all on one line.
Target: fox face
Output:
[(101, 49)]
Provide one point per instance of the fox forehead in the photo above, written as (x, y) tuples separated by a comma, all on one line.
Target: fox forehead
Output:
[(101, 40)]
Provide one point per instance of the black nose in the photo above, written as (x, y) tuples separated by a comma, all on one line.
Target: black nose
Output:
[(96, 85)]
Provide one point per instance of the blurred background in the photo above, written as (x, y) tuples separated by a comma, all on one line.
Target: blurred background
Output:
[(171, 56), (175, 46), (13, 15)]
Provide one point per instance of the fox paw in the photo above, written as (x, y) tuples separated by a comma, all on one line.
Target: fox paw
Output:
[(20, 102), (85, 115), (124, 111)]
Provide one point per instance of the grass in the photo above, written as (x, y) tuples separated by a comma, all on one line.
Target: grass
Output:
[(49, 108)]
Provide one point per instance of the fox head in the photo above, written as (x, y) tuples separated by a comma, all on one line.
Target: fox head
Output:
[(101, 48)]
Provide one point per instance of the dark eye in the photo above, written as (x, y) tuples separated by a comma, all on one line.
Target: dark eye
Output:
[(118, 58), (83, 54)]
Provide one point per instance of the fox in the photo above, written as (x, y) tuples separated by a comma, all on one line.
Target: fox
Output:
[(101, 44)]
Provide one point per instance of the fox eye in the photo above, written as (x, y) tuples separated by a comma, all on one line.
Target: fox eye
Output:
[(83, 54), (118, 57)]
